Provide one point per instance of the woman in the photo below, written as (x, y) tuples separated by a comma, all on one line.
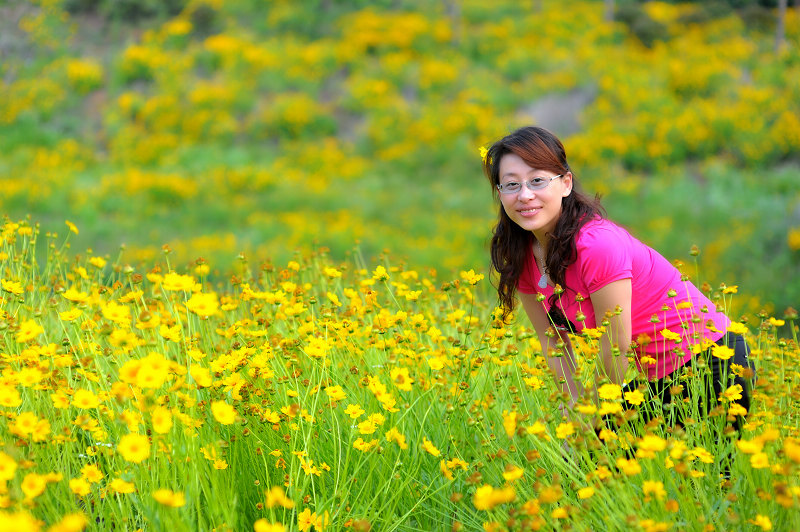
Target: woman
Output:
[(573, 270)]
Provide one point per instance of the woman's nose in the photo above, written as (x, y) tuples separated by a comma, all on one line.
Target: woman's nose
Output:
[(525, 192)]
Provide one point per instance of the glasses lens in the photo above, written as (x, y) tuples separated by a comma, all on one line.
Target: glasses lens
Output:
[(510, 188)]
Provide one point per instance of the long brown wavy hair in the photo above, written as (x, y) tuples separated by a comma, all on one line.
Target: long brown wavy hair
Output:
[(510, 245)]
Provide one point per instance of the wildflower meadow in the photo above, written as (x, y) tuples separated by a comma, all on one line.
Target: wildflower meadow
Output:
[(244, 274), (340, 396)]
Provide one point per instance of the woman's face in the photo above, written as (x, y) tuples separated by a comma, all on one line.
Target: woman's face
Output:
[(533, 210)]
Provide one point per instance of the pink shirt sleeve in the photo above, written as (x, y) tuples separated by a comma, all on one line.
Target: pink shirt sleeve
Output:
[(604, 256)]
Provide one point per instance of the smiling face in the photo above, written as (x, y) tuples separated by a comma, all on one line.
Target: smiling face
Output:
[(533, 210)]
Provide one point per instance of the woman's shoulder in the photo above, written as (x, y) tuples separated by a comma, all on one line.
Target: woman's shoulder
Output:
[(599, 231)]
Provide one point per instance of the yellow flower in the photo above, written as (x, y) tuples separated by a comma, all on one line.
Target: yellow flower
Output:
[(610, 392), (71, 226), (97, 262), (33, 485), (28, 330), (380, 274), (9, 396), (737, 328), (277, 497), (737, 410), (629, 467), (175, 282), (510, 422), (367, 427), (486, 497), (121, 486), (13, 287), (92, 473), (731, 289), (776, 323), (70, 315), (702, 455), (74, 522), (722, 352), (331, 273), (564, 430), (201, 376), (134, 447), (609, 408), (471, 277), (791, 447), (262, 525), (634, 397), (512, 473), (364, 446), (670, 335), (585, 493), (119, 314), (649, 445), (761, 521), (334, 299), (759, 460), (85, 399), (167, 497), (162, 419), (203, 305), (401, 379), (732, 394), (394, 435), (8, 467), (80, 487), (354, 411), (25, 423), (654, 487), (75, 296), (429, 447), (336, 393), (307, 519), (484, 153), (750, 446), (224, 413)]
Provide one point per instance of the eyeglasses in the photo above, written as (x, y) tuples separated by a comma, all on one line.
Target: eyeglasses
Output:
[(537, 183)]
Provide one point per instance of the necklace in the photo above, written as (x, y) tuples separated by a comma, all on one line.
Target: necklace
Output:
[(543, 279)]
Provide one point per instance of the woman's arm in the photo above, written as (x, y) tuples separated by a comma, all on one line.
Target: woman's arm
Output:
[(612, 303), (563, 366)]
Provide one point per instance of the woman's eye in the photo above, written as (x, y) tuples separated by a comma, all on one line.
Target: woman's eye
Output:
[(537, 180)]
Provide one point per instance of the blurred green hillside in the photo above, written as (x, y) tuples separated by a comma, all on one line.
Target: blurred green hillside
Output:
[(268, 127)]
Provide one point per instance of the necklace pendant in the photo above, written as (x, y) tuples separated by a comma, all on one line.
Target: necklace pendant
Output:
[(543, 281)]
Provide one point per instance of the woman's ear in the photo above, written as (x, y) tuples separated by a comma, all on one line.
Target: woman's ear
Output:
[(567, 184)]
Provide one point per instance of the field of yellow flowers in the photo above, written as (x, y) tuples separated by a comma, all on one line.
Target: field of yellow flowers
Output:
[(322, 395), (269, 310), (224, 127)]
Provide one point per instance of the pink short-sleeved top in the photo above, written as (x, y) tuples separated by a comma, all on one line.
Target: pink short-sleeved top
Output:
[(606, 253)]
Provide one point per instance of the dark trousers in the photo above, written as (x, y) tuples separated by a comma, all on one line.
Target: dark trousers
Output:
[(700, 382)]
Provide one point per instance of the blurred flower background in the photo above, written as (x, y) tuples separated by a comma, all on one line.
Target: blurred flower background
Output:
[(271, 127), (269, 308)]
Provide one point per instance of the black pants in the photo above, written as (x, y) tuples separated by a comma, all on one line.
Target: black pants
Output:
[(700, 382)]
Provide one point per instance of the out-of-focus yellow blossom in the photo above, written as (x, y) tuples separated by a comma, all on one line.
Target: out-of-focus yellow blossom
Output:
[(224, 413), (275, 496), (169, 498), (134, 447), (487, 497), (428, 446)]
